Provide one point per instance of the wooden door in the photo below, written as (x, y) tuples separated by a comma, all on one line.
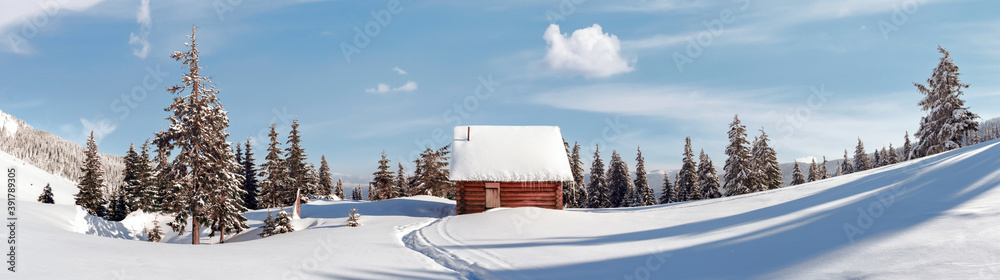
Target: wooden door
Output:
[(492, 195)]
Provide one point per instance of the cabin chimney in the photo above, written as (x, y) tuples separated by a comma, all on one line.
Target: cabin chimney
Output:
[(467, 132)]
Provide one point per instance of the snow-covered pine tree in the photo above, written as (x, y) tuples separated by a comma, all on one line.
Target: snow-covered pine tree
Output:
[(598, 189), (823, 171), (400, 187), (249, 172), (312, 188), (269, 225), (338, 190), (283, 222), (948, 119), (382, 181), (356, 194), (166, 189), (46, 196), (884, 157), (737, 178), (431, 175), (876, 159), (861, 160), (797, 177), (893, 155), (707, 178), (579, 186), (372, 196), (91, 196), (154, 234), (118, 208), (845, 166), (668, 194), (274, 188), (642, 189), (295, 162), (132, 189), (353, 218), (813, 172), (569, 195), (687, 179), (907, 152), (206, 174), (765, 163), (619, 181), (148, 196)]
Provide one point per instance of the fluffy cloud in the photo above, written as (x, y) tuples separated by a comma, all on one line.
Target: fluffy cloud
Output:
[(400, 71), (145, 26), (381, 88), (589, 52)]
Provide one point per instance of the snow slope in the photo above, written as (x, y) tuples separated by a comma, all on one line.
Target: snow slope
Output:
[(933, 218)]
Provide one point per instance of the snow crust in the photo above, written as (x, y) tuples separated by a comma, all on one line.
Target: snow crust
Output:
[(509, 153)]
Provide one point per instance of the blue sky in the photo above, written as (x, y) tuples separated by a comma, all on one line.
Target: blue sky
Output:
[(814, 74)]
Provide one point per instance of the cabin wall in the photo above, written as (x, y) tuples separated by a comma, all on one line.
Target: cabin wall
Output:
[(471, 196)]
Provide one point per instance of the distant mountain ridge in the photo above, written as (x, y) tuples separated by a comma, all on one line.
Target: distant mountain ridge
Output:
[(52, 153)]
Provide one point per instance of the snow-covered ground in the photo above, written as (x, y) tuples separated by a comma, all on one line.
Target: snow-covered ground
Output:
[(933, 218)]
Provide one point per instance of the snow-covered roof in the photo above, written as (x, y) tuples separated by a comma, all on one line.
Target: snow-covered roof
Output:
[(509, 154)]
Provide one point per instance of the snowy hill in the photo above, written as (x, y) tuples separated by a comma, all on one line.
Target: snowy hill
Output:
[(935, 217)]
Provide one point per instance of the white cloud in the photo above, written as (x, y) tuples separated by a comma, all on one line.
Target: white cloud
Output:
[(589, 52), (400, 71), (145, 26), (382, 88), (21, 21)]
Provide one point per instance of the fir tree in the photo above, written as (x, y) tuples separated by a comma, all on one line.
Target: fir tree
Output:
[(948, 120), (356, 194), (797, 177), (325, 177), (845, 166), (149, 195), (353, 218), (569, 195), (876, 159), (46, 196), (687, 180), (283, 222), (642, 190), (884, 157), (861, 161), (907, 148), (338, 190), (431, 174), (619, 181), (765, 164), (372, 193), (295, 162), (155, 234), (118, 208), (814, 172), (165, 188), (598, 189), (91, 183), (207, 174), (382, 182), (893, 155), (132, 190), (249, 178), (400, 189), (269, 225), (274, 188), (823, 171), (707, 177), (737, 179), (668, 194), (579, 187)]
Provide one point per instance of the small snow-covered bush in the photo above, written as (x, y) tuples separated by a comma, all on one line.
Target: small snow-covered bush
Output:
[(353, 218)]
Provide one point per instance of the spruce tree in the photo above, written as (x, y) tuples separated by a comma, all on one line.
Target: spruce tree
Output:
[(132, 190), (353, 218), (907, 148), (431, 175), (598, 189), (814, 172), (687, 180), (876, 159), (155, 234), (372, 196), (382, 182), (823, 171), (269, 225), (46, 196), (118, 208), (91, 196), (400, 189), (356, 194), (325, 177), (737, 178), (797, 177), (845, 166), (283, 222), (893, 155), (295, 162), (207, 174), (861, 160), (579, 186), (149, 196), (569, 195), (668, 194), (166, 190), (249, 172), (948, 120), (642, 190), (707, 177), (338, 190), (767, 173), (274, 188), (884, 157), (619, 182)]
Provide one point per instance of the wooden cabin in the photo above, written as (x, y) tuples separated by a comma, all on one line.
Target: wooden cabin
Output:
[(508, 166)]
